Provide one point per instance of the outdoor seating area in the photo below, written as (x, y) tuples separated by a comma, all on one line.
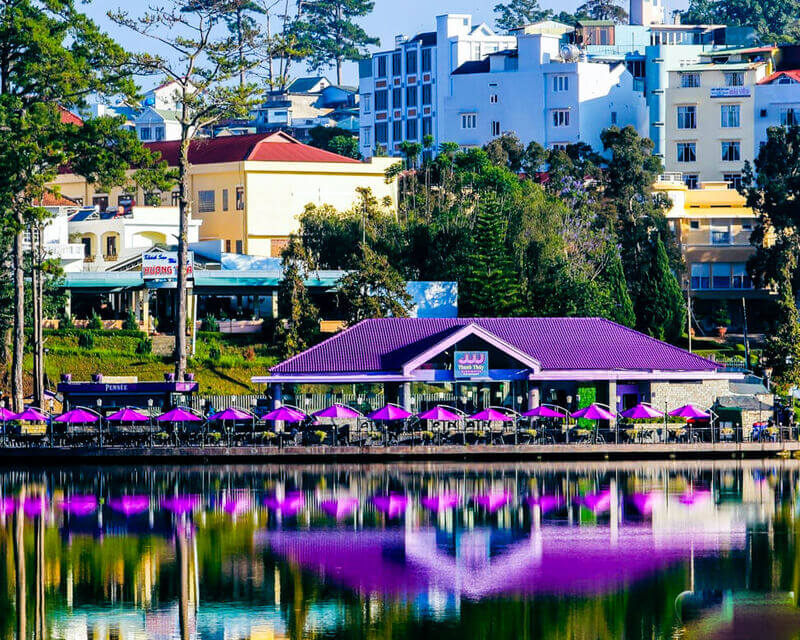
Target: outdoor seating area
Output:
[(341, 425)]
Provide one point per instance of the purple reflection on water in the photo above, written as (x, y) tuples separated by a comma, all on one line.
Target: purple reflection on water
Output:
[(695, 497), (81, 505), (181, 504), (340, 508), (289, 505), (492, 501), (645, 502), (34, 506), (130, 505), (393, 505), (441, 502), (546, 503), (236, 503), (596, 502)]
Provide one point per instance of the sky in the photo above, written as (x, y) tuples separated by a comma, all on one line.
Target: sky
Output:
[(389, 18)]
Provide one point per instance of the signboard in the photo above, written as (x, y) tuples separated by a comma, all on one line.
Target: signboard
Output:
[(730, 92), (471, 364), (164, 266)]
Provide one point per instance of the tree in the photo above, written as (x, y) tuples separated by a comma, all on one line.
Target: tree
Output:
[(328, 30), (298, 327), (518, 13), (782, 351), (374, 289), (619, 306), (772, 21), (603, 10), (663, 316), (345, 146), (202, 65), (506, 151), (321, 137)]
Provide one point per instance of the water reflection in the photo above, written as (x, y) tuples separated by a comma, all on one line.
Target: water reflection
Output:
[(396, 551)]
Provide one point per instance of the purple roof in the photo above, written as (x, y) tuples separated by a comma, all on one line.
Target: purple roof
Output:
[(386, 344)]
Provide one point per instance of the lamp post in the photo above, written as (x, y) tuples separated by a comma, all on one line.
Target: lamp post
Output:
[(2, 410), (150, 422), (51, 422), (100, 423)]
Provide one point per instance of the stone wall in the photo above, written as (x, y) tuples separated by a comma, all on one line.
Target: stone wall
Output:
[(676, 394)]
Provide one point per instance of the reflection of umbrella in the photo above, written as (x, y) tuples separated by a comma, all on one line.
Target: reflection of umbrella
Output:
[(389, 412), (593, 412), (439, 413), (546, 503), (33, 506), (339, 508), (6, 506), (31, 414), (689, 411), (492, 415), (692, 498), (77, 416), (492, 501), (284, 414), (641, 412), (237, 503), (543, 412), (596, 502), (644, 502), (393, 505), (338, 411), (130, 505), (180, 504), (79, 505), (179, 415), (441, 502), (291, 503), (128, 415)]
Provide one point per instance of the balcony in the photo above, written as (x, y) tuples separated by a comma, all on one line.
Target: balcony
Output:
[(65, 251)]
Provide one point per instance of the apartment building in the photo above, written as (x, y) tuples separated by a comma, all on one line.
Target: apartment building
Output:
[(777, 103), (402, 91), (542, 91), (710, 111)]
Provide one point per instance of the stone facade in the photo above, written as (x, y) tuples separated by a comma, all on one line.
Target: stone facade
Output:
[(702, 393)]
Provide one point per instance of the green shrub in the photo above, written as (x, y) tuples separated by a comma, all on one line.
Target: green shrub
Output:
[(86, 340), (95, 323), (130, 323), (144, 347), (209, 324), (228, 361), (214, 352)]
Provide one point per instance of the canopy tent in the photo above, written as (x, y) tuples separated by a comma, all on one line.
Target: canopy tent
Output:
[(389, 412), (690, 411), (31, 414), (284, 414), (338, 411), (78, 416), (129, 416), (179, 415)]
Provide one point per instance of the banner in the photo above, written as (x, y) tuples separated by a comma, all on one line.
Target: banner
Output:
[(164, 266), (730, 92), (471, 364)]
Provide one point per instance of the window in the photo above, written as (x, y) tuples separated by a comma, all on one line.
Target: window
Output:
[(741, 278), (427, 94), (125, 200), (87, 247), (111, 246), (397, 98), (227, 246), (729, 115), (789, 117), (690, 80), (366, 103), (700, 276), (205, 202), (721, 275), (427, 127), (100, 202), (397, 130), (720, 234), (411, 61), (159, 133), (469, 120), (560, 83), (175, 200), (381, 100), (411, 129), (239, 246), (397, 62), (734, 79), (731, 151), (365, 136), (381, 133), (495, 128), (494, 99), (144, 133), (687, 152), (561, 118), (613, 117), (224, 199), (411, 97), (426, 60), (691, 180), (240, 198), (687, 117), (694, 225), (382, 67), (734, 180), (559, 146)]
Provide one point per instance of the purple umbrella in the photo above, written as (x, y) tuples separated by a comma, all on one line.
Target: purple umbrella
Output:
[(130, 505), (340, 508), (389, 412), (178, 415), (642, 412), (689, 411), (181, 504), (594, 412), (231, 414), (79, 505), (492, 415), (543, 411), (31, 414), (284, 414), (338, 411), (127, 415), (394, 505), (492, 501), (77, 416), (439, 413), (291, 503), (441, 502), (6, 414)]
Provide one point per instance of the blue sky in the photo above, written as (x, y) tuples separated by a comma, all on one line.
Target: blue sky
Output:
[(390, 18)]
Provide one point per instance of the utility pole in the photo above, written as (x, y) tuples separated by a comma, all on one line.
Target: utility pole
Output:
[(689, 313), (744, 330)]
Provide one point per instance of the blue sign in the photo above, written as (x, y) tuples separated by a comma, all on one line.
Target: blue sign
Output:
[(471, 364)]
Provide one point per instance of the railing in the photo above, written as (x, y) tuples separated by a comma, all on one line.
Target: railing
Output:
[(671, 176)]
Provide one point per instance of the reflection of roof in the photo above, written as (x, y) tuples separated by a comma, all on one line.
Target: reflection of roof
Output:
[(386, 344), (794, 74)]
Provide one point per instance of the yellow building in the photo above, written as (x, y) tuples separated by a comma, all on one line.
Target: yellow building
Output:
[(708, 122), (713, 226), (248, 191)]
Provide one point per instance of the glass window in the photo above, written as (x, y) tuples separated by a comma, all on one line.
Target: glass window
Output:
[(239, 198), (365, 136), (427, 126), (560, 83), (111, 246), (741, 278), (469, 120), (411, 61), (687, 117), (731, 151), (411, 129), (227, 246), (494, 98), (700, 276), (721, 275), (159, 133), (381, 100), (397, 130), (687, 152), (397, 62), (397, 98), (720, 234), (239, 246), (381, 133), (101, 202), (734, 79), (729, 115), (382, 66), (789, 116), (690, 80), (411, 97), (561, 118), (366, 103), (691, 180), (694, 224), (205, 201), (426, 60), (734, 180), (495, 128), (224, 199), (427, 91), (144, 133)]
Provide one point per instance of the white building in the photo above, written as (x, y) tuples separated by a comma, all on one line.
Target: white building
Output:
[(166, 96), (55, 233), (542, 91), (108, 237), (777, 103), (403, 91), (155, 125)]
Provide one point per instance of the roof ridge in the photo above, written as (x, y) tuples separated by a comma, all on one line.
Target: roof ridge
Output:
[(320, 344)]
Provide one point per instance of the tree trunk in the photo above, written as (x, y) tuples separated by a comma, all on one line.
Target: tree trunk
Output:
[(18, 350), (38, 292), (183, 258), (35, 315), (240, 42)]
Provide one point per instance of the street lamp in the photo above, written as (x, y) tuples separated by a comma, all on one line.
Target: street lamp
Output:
[(99, 411)]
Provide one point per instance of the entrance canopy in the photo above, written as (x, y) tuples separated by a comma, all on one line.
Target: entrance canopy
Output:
[(490, 349)]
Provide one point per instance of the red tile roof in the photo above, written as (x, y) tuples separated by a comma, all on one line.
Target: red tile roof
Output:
[(50, 199), (794, 74), (263, 147), (67, 117)]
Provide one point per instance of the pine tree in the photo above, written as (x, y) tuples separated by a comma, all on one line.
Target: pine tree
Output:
[(299, 325), (491, 284), (782, 351), (620, 306), (661, 307)]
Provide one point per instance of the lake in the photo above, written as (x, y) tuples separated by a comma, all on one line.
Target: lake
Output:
[(547, 551)]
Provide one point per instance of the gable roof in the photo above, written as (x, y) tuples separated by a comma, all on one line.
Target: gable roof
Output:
[(52, 199), (558, 344), (259, 147), (472, 66), (304, 85), (67, 117), (426, 39), (794, 74)]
